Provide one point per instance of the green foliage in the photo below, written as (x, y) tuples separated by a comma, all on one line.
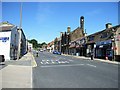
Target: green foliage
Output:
[(36, 44)]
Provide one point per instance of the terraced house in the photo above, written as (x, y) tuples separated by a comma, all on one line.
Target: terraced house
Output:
[(68, 40), (105, 44)]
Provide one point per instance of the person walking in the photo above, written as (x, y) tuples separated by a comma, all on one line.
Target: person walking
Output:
[(92, 55), (36, 53)]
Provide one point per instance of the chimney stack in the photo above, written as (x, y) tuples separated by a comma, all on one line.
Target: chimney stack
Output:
[(61, 34), (108, 25), (82, 22), (68, 29)]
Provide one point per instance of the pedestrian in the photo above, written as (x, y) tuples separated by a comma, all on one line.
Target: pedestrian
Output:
[(37, 54), (92, 55)]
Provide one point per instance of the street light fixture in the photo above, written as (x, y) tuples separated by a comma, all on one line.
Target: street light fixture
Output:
[(113, 43), (19, 42)]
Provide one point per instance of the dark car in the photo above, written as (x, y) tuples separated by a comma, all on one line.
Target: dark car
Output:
[(2, 58), (56, 52)]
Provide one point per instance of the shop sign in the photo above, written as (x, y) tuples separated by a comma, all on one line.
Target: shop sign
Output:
[(101, 46), (4, 39), (103, 42)]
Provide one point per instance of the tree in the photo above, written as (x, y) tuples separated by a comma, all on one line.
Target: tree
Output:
[(43, 43), (34, 42), (39, 45)]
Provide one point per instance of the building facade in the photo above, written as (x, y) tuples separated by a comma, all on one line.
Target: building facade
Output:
[(104, 44), (30, 46), (9, 40), (50, 46), (65, 39), (75, 36)]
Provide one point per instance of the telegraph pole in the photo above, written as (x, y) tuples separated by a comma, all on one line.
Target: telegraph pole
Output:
[(19, 31)]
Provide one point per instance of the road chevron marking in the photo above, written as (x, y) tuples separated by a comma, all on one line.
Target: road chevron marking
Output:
[(91, 65), (62, 65)]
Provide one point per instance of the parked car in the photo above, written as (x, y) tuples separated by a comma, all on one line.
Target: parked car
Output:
[(2, 58), (57, 52)]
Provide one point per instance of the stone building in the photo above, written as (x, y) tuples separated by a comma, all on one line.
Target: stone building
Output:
[(107, 43), (57, 44), (76, 35), (65, 39)]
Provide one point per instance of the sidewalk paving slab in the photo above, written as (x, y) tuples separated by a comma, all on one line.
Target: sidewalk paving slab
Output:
[(18, 73), (16, 76)]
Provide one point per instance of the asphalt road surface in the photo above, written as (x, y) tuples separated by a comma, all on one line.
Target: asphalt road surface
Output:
[(59, 71)]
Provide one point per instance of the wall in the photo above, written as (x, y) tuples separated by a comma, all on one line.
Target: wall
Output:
[(14, 43), (118, 41), (5, 44), (77, 33), (23, 43)]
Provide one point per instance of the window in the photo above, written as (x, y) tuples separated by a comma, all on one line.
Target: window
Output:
[(91, 38), (104, 35)]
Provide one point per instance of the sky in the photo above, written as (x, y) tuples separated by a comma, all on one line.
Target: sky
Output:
[(44, 21)]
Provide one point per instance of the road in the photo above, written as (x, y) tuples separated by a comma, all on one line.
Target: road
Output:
[(59, 71)]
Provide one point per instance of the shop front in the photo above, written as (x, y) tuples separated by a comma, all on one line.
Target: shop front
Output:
[(89, 48), (104, 50)]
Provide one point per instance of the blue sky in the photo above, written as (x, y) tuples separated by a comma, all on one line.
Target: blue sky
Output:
[(44, 21)]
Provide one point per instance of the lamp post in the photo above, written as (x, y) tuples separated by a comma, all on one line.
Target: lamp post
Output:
[(19, 41), (113, 44)]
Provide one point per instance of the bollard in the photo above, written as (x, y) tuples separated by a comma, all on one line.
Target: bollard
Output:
[(2, 58), (37, 54), (106, 58)]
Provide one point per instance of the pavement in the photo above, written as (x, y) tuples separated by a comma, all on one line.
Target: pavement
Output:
[(96, 59), (17, 73)]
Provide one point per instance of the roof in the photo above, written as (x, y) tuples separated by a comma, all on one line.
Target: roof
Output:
[(6, 26), (107, 29)]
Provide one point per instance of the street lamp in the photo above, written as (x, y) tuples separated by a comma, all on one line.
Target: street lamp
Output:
[(19, 41), (113, 44)]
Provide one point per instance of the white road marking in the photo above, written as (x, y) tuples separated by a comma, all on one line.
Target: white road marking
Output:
[(41, 62), (59, 62), (53, 62), (47, 62), (71, 60), (66, 62), (63, 65), (91, 65)]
